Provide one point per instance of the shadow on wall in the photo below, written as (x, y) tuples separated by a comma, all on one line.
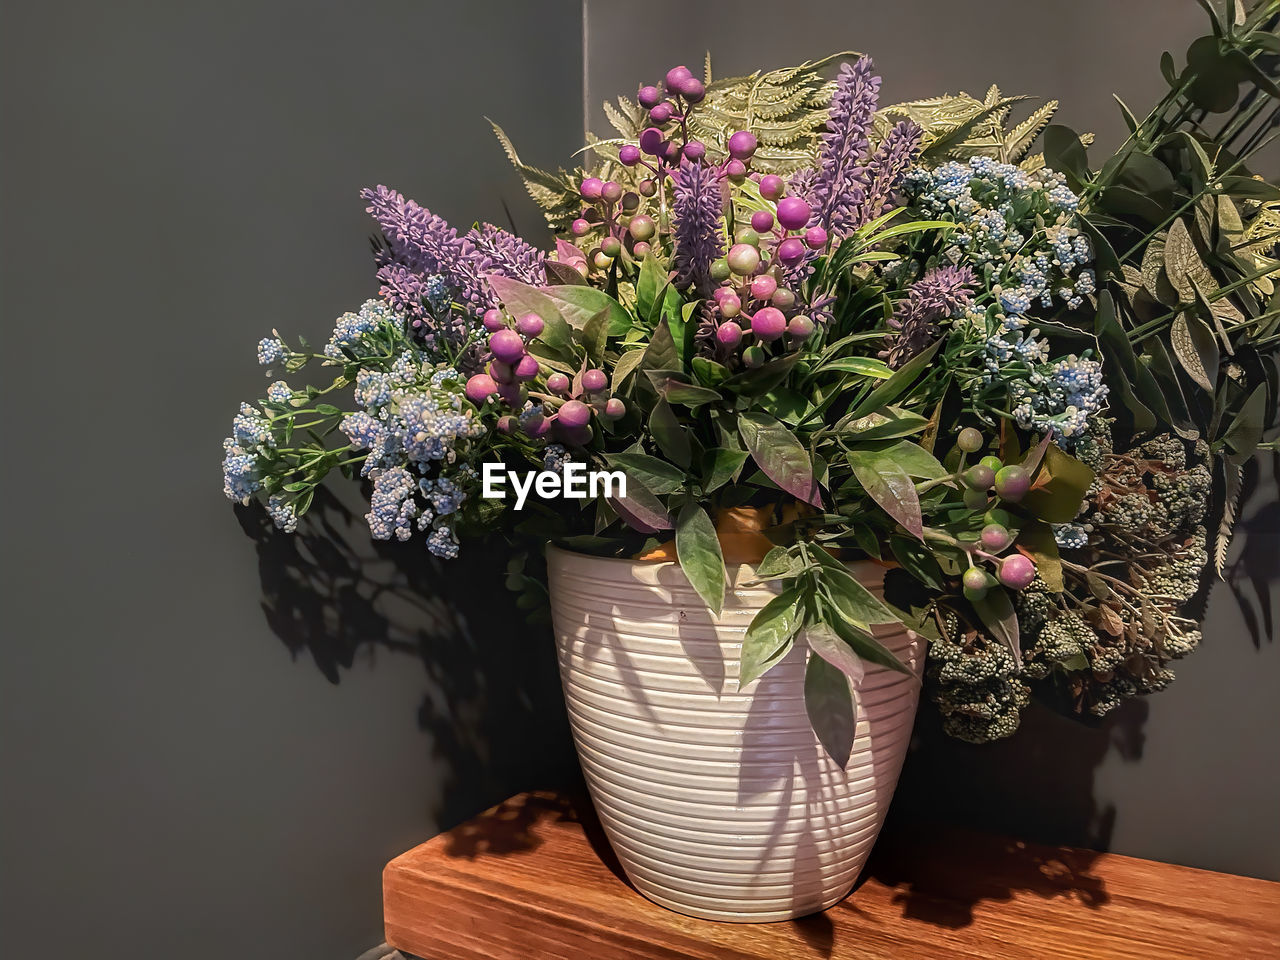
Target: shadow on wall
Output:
[(492, 707)]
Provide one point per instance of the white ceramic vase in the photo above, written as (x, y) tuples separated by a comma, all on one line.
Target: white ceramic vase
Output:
[(720, 804)]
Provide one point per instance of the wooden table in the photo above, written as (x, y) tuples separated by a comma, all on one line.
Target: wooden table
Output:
[(534, 879)]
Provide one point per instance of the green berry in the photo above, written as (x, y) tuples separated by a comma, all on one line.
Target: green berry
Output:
[(747, 235), (970, 440), (975, 499), (720, 269), (979, 477), (1012, 483), (753, 356), (995, 463)]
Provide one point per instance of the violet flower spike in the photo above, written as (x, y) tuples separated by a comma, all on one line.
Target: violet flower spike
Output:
[(896, 155), (943, 292), (697, 225), (838, 188)]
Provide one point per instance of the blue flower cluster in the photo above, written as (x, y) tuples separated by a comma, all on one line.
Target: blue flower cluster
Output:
[(270, 350), (251, 435), (352, 333), (1019, 229), (415, 432), (282, 514)]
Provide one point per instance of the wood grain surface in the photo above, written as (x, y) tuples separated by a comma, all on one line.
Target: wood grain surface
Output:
[(533, 879)]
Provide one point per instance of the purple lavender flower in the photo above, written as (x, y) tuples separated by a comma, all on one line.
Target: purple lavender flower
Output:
[(505, 253), (424, 266), (941, 293), (839, 187), (696, 213), (888, 165), (417, 238)]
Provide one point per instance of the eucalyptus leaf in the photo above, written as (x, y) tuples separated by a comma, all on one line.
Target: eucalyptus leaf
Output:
[(669, 434), (770, 631), (657, 475), (779, 455), (719, 466), (827, 644), (889, 485), (698, 550), (828, 701)]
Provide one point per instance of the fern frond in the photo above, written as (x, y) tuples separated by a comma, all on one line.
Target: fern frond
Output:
[(1018, 141), (556, 193), (1231, 503)]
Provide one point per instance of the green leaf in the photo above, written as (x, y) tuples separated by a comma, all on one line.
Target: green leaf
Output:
[(698, 550), (627, 364), (1064, 152), (863, 366), (1250, 189), (829, 702), (669, 434), (1117, 349), (652, 281), (593, 336), (779, 455), (1141, 173), (998, 616), (719, 466), (757, 382), (640, 509), (851, 599), (1059, 487), (868, 647), (327, 409), (1038, 540), (903, 379), (1246, 429), (889, 485), (659, 476), (562, 273), (915, 460), (915, 558), (1196, 349), (778, 562), (827, 644), (890, 423), (673, 386), (769, 635), (578, 305), (661, 353), (708, 372), (520, 298)]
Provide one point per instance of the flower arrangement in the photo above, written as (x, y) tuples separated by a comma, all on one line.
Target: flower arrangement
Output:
[(1026, 385)]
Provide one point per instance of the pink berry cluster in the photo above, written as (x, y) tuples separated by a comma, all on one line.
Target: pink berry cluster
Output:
[(1010, 484), (612, 210), (512, 365), (750, 299), (572, 404), (508, 377)]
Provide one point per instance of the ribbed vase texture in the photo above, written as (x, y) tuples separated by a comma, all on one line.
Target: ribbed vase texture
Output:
[(720, 804)]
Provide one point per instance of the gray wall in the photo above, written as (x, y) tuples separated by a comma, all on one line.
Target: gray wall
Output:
[(213, 736), (181, 777), (1191, 774)]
